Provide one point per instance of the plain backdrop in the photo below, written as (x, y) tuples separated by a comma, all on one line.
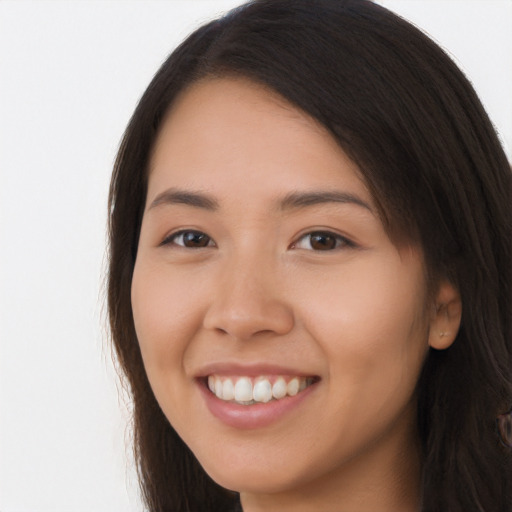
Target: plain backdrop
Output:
[(71, 73)]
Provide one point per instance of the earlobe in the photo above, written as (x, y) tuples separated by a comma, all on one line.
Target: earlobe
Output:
[(446, 317)]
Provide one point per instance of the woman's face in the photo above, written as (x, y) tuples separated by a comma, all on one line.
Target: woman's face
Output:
[(263, 270)]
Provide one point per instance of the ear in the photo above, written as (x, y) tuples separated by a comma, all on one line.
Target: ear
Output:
[(445, 317)]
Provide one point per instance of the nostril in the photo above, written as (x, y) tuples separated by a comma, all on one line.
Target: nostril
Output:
[(249, 318)]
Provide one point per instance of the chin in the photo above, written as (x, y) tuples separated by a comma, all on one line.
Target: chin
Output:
[(255, 480)]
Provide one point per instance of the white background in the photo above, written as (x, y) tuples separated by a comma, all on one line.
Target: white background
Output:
[(71, 73)]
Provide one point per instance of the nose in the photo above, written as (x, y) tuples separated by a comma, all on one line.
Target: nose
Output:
[(249, 300)]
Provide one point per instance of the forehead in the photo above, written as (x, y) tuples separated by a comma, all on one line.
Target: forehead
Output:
[(237, 135)]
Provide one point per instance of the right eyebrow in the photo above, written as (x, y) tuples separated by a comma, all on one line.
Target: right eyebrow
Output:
[(178, 196), (297, 200)]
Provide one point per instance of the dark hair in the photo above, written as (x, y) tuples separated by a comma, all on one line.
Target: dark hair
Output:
[(402, 110)]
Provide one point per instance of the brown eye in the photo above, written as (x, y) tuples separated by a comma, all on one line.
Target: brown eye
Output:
[(190, 239), (322, 241)]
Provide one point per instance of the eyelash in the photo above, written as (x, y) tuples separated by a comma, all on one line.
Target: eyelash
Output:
[(339, 240)]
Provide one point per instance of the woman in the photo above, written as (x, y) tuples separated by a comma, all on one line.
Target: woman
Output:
[(310, 279)]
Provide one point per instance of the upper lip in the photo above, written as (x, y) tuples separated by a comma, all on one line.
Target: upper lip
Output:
[(249, 370)]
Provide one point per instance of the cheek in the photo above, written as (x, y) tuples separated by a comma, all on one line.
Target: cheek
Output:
[(167, 315), (371, 325)]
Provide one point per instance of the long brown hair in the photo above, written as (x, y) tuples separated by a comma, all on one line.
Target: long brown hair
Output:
[(408, 117)]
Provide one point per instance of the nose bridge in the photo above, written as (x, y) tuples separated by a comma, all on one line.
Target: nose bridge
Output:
[(249, 298)]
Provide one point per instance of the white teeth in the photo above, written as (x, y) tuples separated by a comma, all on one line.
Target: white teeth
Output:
[(243, 391), (279, 388), (228, 390), (218, 388), (262, 391), (293, 387)]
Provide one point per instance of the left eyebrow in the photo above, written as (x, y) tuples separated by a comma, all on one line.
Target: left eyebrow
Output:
[(297, 200), (190, 198)]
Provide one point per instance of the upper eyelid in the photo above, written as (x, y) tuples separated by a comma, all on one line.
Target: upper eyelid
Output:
[(325, 231)]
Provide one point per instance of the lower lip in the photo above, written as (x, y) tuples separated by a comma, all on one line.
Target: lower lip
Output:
[(253, 416)]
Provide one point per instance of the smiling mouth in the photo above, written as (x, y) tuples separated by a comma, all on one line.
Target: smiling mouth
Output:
[(249, 391)]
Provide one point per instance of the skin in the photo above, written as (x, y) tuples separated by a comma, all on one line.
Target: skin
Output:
[(355, 315)]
